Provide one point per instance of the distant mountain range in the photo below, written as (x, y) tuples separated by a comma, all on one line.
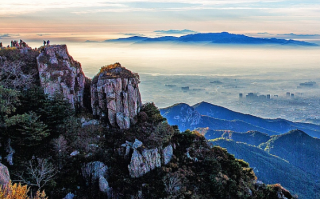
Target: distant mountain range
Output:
[(214, 38), (215, 117)]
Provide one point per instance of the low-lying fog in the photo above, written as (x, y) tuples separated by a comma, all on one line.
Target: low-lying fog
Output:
[(217, 74)]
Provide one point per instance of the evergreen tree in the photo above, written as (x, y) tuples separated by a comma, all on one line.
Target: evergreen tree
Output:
[(27, 129)]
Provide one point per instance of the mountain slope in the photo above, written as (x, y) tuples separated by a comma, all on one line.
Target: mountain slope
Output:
[(270, 169), (214, 38), (186, 117), (219, 118), (278, 125), (298, 148), (251, 137)]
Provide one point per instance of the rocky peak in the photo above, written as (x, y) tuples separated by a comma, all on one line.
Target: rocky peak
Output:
[(115, 96), (116, 71), (59, 72)]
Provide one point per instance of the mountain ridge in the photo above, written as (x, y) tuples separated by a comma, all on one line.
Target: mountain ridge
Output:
[(270, 168), (204, 114), (214, 38)]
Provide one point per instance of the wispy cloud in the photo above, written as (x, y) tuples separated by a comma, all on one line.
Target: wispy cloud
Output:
[(185, 31), (299, 35), (133, 34), (18, 7), (8, 35), (4, 36), (43, 34)]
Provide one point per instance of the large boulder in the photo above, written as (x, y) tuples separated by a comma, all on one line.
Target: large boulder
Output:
[(115, 96), (60, 73), (142, 163), (144, 160), (4, 175)]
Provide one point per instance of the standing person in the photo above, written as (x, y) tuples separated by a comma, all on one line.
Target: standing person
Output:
[(44, 42), (48, 42), (0, 44), (11, 43)]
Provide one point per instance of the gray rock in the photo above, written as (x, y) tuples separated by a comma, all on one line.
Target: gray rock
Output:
[(167, 154), (10, 152), (142, 163), (74, 153), (137, 143), (104, 186), (4, 175), (93, 170), (59, 72), (89, 123), (122, 121), (128, 146), (258, 184), (69, 196)]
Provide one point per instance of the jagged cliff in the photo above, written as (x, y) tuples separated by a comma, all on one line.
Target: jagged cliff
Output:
[(59, 72), (115, 96)]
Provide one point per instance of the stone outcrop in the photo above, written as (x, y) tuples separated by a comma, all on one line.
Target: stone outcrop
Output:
[(4, 175), (94, 170), (59, 72), (97, 171), (69, 196), (115, 96), (142, 163), (145, 160), (167, 154)]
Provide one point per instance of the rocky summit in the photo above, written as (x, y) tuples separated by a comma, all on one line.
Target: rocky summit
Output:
[(59, 72), (115, 96)]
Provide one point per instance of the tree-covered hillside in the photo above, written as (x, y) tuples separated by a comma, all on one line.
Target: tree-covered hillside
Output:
[(271, 169)]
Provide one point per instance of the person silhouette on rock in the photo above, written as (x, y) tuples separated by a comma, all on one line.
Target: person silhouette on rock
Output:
[(48, 42), (44, 43)]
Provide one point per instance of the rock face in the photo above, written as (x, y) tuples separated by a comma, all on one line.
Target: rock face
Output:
[(59, 72), (4, 175), (115, 96), (145, 160)]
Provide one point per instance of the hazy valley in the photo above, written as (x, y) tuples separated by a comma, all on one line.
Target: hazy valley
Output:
[(217, 74)]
